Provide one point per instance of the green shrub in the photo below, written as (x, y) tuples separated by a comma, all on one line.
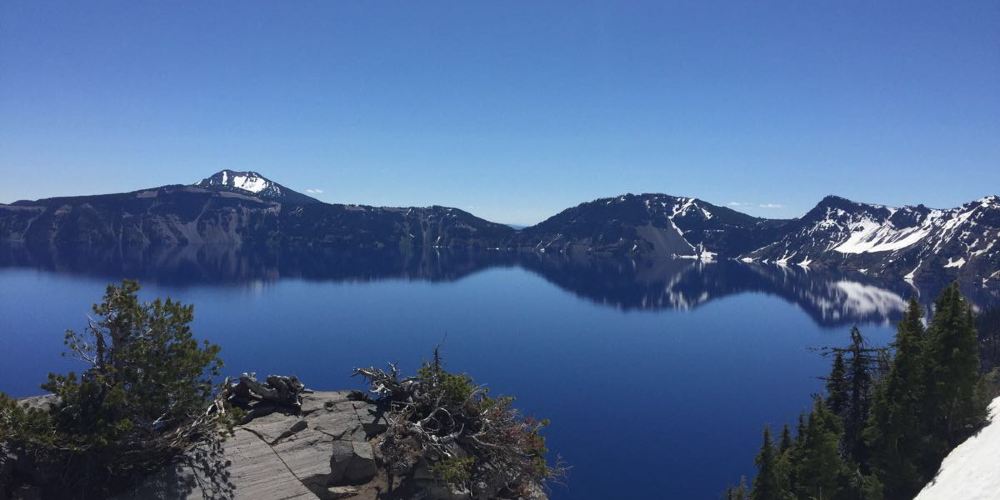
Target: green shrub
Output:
[(454, 470), (143, 399)]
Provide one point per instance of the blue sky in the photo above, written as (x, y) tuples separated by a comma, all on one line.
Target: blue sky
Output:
[(512, 110)]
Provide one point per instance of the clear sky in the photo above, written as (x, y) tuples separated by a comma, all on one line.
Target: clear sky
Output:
[(511, 110)]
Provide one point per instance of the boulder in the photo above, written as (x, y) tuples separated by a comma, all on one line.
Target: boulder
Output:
[(353, 462)]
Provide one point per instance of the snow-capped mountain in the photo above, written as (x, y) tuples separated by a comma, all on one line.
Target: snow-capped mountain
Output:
[(651, 224), (915, 242), (236, 208), (254, 184)]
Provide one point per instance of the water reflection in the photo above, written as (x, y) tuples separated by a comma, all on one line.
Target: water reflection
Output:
[(831, 299)]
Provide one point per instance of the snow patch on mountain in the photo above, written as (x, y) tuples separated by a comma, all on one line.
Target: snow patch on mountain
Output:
[(955, 263), (247, 181), (912, 242), (252, 182), (870, 236)]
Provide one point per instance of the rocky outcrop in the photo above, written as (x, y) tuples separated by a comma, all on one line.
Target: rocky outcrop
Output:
[(321, 452), (294, 443), (325, 451)]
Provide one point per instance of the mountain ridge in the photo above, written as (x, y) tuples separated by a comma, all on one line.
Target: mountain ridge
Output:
[(914, 243)]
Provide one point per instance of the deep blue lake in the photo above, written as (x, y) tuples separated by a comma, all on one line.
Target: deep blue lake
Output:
[(657, 377)]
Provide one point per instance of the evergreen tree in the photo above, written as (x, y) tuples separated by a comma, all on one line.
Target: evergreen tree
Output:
[(738, 492), (800, 429), (859, 383), (786, 452), (837, 389), (988, 325), (786, 440), (767, 484), (819, 469), (954, 410), (140, 402), (895, 431)]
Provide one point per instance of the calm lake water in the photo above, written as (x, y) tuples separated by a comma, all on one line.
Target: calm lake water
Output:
[(657, 376)]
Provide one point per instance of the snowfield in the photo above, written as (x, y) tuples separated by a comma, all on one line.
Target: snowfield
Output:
[(250, 182), (971, 471), (870, 236)]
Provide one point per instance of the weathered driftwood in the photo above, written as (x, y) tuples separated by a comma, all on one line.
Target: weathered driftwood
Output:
[(276, 391), (387, 384), (426, 426)]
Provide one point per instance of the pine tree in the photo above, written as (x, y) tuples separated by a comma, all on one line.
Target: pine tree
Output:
[(836, 386), (818, 467), (786, 457), (767, 484), (988, 325), (738, 492), (786, 440), (954, 409), (800, 429), (895, 431), (140, 401), (859, 382)]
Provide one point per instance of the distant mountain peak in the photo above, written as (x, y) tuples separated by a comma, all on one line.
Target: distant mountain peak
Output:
[(249, 181), (254, 184), (991, 200)]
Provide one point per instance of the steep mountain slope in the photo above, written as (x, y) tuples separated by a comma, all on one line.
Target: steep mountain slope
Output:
[(254, 184), (165, 216), (917, 243), (651, 224)]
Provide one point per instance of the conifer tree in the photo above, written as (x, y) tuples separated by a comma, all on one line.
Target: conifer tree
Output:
[(954, 410), (738, 492), (786, 449), (836, 386), (859, 382), (819, 468), (786, 440), (895, 432), (800, 429), (767, 484)]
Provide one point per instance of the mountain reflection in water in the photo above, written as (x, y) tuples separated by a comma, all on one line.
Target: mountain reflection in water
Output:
[(831, 299)]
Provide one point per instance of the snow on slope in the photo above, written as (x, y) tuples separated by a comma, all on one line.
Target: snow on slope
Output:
[(871, 236), (247, 181), (914, 242), (254, 184), (971, 471), (251, 181)]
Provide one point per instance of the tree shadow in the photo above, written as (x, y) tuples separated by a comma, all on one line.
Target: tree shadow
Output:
[(203, 472)]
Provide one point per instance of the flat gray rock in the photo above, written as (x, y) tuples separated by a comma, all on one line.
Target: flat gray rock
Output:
[(279, 456)]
